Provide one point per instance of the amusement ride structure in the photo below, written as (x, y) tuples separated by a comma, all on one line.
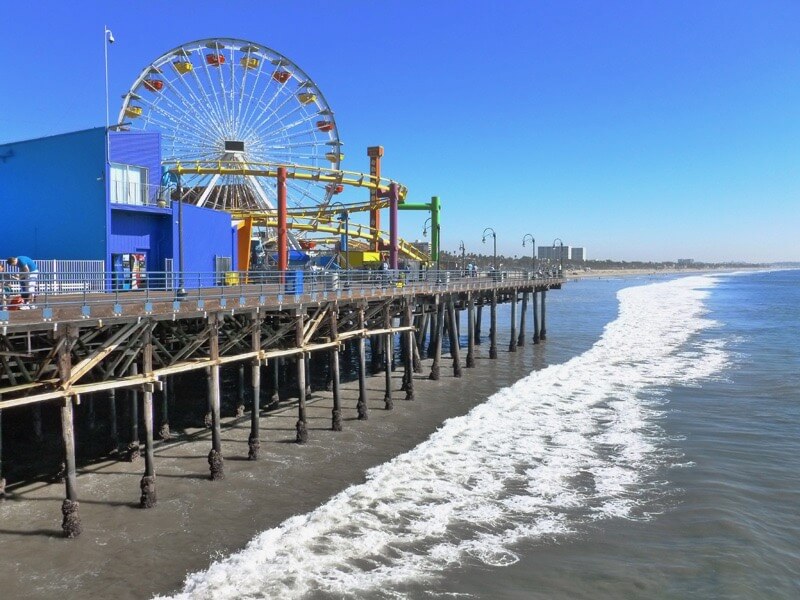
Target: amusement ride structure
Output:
[(246, 130)]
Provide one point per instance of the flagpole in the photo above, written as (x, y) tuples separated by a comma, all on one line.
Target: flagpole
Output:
[(106, 31)]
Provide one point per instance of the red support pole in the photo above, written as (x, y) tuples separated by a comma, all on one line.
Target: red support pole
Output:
[(394, 198), (283, 242)]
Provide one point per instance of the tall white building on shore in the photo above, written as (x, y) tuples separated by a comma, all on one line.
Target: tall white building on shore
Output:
[(578, 254)]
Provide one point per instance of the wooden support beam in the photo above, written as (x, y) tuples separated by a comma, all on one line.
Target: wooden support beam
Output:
[(493, 327), (133, 452), (109, 346), (388, 402), (411, 347), (71, 521), (361, 406), (215, 460), (437, 350), (512, 342), (148, 483), (336, 412), (522, 313), (253, 441), (470, 331), (454, 345), (302, 430), (478, 315), (543, 330), (536, 334)]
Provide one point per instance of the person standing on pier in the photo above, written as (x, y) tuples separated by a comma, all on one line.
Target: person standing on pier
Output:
[(28, 275)]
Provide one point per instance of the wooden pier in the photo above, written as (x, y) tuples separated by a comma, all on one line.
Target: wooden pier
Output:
[(99, 349)]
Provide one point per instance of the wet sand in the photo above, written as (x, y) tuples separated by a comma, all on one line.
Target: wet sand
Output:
[(128, 552)]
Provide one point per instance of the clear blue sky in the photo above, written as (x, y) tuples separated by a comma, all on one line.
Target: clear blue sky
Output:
[(639, 129)]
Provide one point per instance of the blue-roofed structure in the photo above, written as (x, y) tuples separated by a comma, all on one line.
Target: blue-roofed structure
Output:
[(71, 196)]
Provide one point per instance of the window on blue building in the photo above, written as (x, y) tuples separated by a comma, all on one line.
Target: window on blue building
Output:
[(129, 185)]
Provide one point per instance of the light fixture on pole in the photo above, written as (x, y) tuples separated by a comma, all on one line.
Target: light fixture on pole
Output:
[(181, 293), (463, 257), (560, 254), (108, 38), (494, 240), (533, 251)]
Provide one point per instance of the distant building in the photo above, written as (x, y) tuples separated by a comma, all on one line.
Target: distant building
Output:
[(553, 252), (685, 262), (422, 246), (578, 254)]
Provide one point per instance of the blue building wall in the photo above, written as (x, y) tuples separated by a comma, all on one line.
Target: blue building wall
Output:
[(54, 204), (142, 149), (207, 234), (142, 232), (52, 197)]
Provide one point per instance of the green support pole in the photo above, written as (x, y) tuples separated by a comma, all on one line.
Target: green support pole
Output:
[(435, 208)]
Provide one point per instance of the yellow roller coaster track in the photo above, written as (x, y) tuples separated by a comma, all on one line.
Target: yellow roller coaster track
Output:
[(300, 172), (313, 214), (358, 231)]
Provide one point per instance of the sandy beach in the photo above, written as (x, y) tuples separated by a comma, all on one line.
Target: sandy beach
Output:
[(128, 552)]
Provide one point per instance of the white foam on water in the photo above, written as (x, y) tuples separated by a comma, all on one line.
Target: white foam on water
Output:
[(570, 444)]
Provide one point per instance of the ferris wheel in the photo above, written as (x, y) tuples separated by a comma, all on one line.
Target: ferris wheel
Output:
[(235, 102)]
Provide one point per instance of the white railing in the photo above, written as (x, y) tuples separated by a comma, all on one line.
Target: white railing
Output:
[(85, 289), (138, 194)]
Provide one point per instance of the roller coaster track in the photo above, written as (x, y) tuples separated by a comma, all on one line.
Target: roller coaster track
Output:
[(300, 172), (314, 215)]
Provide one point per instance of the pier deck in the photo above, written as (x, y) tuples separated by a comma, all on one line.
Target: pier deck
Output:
[(92, 345)]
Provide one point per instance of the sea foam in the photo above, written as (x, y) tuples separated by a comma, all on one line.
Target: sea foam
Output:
[(564, 446)]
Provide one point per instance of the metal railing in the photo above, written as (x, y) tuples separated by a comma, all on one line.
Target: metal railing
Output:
[(132, 193), (231, 289)]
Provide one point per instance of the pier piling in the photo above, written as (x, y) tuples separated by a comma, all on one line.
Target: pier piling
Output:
[(361, 406), (215, 461), (535, 317), (470, 331), (133, 451), (543, 331), (439, 333), (71, 521), (336, 412), (301, 426), (522, 311), (512, 342), (147, 485), (454, 346), (493, 327)]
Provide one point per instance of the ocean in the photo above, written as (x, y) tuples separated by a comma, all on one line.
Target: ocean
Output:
[(651, 452)]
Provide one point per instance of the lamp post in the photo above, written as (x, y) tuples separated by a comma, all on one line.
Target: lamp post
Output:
[(181, 293), (438, 232), (345, 216), (463, 258), (494, 241), (108, 38), (560, 255), (533, 251)]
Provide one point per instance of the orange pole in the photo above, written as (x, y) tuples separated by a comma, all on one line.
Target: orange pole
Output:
[(283, 239), (375, 154)]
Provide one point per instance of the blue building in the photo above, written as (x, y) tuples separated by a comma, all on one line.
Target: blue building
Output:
[(73, 197)]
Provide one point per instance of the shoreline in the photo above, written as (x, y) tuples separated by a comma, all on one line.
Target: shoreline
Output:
[(129, 552)]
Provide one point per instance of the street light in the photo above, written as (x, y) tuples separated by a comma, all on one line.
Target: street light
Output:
[(438, 236), (345, 216), (533, 251), (181, 293), (463, 258), (108, 38), (560, 255), (494, 240)]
